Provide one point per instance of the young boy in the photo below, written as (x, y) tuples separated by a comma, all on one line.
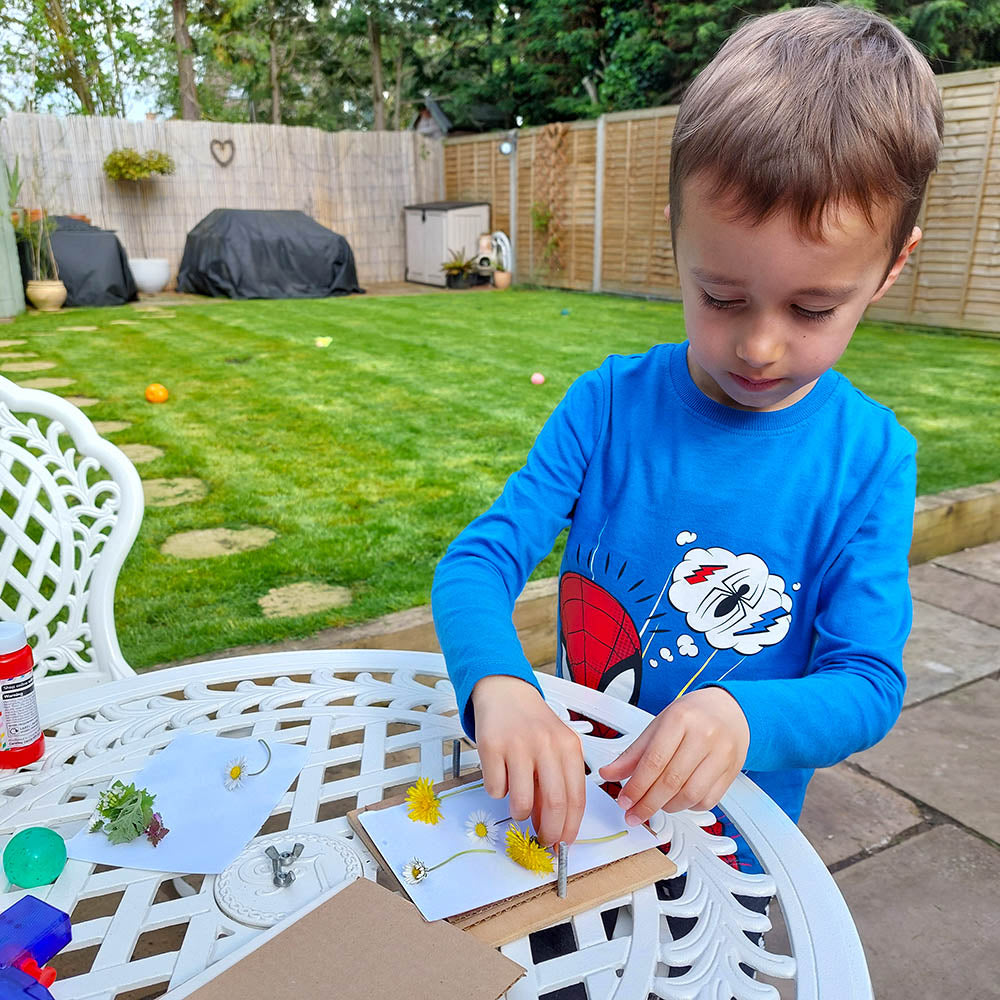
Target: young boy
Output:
[(739, 515)]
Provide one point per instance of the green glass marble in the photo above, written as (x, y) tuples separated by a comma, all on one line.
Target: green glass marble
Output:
[(33, 857)]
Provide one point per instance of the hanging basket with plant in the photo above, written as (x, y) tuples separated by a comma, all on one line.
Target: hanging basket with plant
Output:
[(130, 165), (151, 273)]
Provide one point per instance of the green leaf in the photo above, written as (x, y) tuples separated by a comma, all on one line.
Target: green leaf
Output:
[(124, 812)]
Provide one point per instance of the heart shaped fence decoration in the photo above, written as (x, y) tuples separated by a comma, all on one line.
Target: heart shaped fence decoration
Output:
[(220, 148)]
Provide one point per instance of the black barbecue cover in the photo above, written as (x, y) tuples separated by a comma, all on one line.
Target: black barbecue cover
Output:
[(245, 254), (92, 264)]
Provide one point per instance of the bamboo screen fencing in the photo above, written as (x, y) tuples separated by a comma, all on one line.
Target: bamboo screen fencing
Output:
[(355, 183), (612, 190)]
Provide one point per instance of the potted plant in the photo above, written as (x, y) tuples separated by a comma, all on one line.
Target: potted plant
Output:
[(458, 269), (501, 276), (44, 290), (32, 227), (129, 166)]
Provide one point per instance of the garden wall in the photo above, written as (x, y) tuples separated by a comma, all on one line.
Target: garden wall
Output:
[(599, 188), (355, 183)]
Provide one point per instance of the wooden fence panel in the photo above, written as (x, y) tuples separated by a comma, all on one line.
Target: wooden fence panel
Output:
[(637, 255), (952, 280), (355, 183)]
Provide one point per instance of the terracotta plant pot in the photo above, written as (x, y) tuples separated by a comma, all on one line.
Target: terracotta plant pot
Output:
[(46, 296), (502, 279)]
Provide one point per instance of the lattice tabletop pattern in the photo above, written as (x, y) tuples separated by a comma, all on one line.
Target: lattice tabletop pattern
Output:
[(374, 721)]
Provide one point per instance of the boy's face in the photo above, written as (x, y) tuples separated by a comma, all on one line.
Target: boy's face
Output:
[(766, 310)]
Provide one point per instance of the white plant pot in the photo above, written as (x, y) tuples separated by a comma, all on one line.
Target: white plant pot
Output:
[(151, 273)]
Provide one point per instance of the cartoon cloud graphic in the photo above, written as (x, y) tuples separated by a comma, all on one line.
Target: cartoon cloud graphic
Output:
[(733, 600)]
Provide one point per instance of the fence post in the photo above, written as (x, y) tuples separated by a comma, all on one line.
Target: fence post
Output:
[(598, 206), (512, 199)]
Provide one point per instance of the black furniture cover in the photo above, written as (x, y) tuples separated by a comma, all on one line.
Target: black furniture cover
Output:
[(247, 254), (92, 264)]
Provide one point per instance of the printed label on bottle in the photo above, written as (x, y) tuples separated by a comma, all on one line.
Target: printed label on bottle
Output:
[(19, 722)]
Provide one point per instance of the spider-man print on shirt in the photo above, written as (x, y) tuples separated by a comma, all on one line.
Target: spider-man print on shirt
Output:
[(599, 638), (730, 603)]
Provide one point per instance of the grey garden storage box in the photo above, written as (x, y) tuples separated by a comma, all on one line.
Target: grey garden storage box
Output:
[(437, 229)]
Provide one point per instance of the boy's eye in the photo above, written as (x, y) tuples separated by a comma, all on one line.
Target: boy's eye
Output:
[(717, 303), (813, 316)]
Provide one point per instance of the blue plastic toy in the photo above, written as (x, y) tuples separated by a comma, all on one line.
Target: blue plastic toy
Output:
[(31, 933)]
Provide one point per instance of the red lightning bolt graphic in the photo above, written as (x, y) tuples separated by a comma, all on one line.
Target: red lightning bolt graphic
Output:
[(701, 574)]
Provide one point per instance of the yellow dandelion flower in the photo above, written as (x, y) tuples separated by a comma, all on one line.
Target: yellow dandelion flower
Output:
[(527, 852), (422, 803)]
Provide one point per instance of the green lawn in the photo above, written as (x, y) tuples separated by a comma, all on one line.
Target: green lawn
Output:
[(368, 456)]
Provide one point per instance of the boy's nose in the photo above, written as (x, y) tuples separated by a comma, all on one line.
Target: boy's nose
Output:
[(760, 345)]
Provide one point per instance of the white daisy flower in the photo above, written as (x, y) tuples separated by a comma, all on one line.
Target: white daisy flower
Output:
[(415, 871), (235, 773), (480, 827)]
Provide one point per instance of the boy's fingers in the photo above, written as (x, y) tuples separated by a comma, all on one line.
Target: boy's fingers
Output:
[(576, 798), (715, 793), (624, 764), (671, 766), (701, 781), (521, 787), (551, 790), (659, 750), (494, 772)]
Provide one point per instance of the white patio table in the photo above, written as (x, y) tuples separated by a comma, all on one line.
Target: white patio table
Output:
[(373, 722)]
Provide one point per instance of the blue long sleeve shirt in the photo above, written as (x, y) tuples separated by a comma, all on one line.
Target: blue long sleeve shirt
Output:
[(765, 553)]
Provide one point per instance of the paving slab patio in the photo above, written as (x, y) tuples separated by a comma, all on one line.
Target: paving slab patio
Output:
[(927, 913), (947, 649), (946, 754), (956, 591), (847, 813), (983, 562)]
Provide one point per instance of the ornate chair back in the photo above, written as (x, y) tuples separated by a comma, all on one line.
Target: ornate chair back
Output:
[(70, 508)]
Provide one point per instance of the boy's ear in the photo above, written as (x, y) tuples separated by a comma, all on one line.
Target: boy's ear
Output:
[(897, 264), (666, 213)]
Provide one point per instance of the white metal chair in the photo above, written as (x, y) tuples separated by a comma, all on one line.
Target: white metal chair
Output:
[(70, 508)]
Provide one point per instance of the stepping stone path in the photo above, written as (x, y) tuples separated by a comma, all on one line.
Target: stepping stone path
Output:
[(142, 452), (171, 492), (125, 322), (47, 382), (27, 366), (302, 599), (298, 599), (211, 542), (110, 426)]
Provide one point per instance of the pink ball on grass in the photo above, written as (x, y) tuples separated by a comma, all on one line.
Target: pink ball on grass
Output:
[(537, 379)]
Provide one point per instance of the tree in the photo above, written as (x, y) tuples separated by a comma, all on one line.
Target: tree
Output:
[(83, 56), (188, 91)]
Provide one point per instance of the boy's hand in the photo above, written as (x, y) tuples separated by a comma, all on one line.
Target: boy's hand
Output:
[(528, 752), (686, 758)]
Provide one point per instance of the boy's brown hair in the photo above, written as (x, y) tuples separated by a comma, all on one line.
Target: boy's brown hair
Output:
[(808, 109)]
